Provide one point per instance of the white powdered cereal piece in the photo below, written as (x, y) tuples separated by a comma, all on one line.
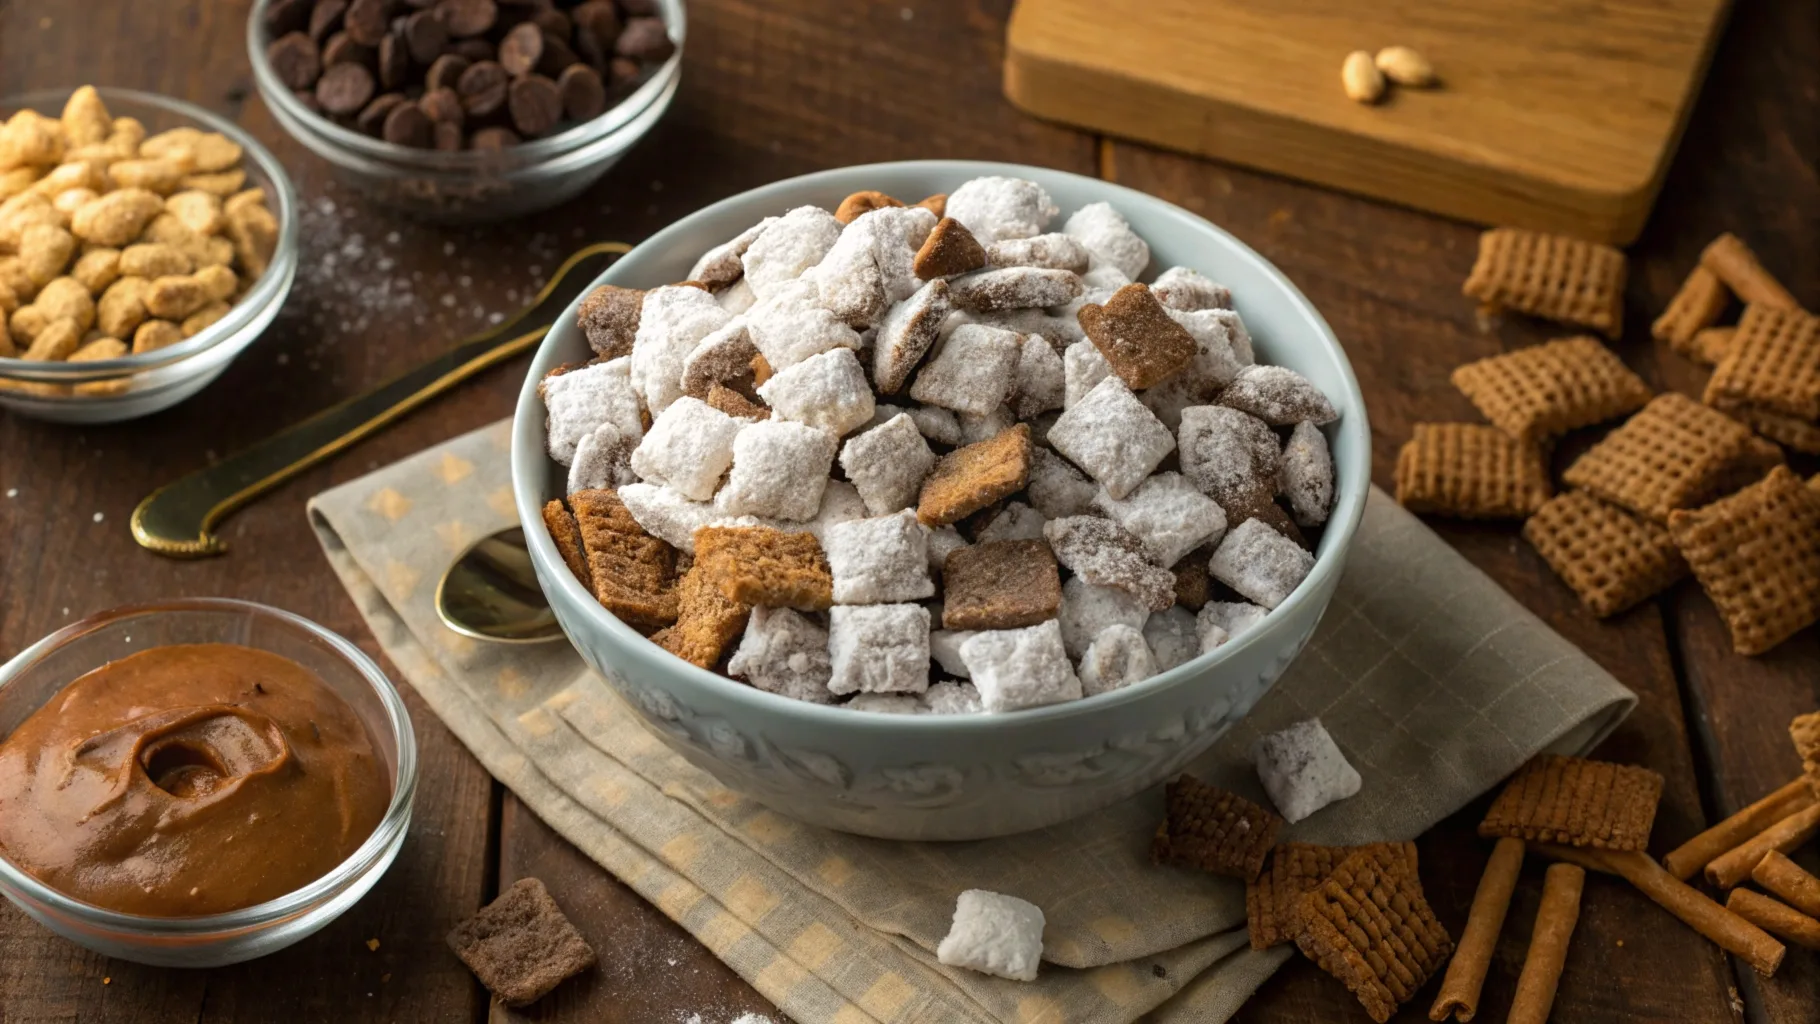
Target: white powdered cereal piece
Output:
[(1111, 436), (724, 355), (673, 320), (1172, 637), (602, 459), (879, 560), (984, 291), (1061, 331), (1228, 454), (784, 652), (1116, 658), (737, 297), (1020, 668), (1241, 338), (887, 704), (948, 697), (943, 541), (827, 391), (1168, 515), (1016, 521), (1186, 289), (907, 331), (667, 515), (1102, 279), (1106, 234), (1199, 383), (790, 325), (689, 448), (1305, 476), (1105, 554), (971, 372), (896, 233), (788, 246), (721, 266), (779, 471), (841, 503), (1083, 367), (1039, 381), (1212, 634), (888, 463), (996, 208), (1231, 618), (994, 934), (1279, 396), (1056, 488), (1260, 563), (848, 278), (1087, 610), (879, 648), (582, 399), (975, 429), (1053, 251), (945, 648), (936, 423), (1303, 769)]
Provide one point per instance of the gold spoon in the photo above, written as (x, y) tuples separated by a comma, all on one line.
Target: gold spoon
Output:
[(491, 593)]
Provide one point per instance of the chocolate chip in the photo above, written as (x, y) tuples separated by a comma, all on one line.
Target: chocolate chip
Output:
[(345, 88), (492, 140), (466, 18), (283, 17), (307, 98), (638, 8), (473, 49), (556, 56), (623, 70), (521, 49), (553, 22), (407, 125), (295, 60), (394, 63), (448, 136), (366, 21), (584, 95), (645, 39), (371, 118), (535, 104), (596, 27), (483, 88), (325, 19), (342, 49), (442, 105), (446, 71), (425, 36)]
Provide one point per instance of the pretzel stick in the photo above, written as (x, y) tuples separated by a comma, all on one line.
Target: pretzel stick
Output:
[(1731, 932), (1773, 916), (1466, 973), (1783, 836), (1785, 878), (1686, 860), (1555, 921), (1735, 264)]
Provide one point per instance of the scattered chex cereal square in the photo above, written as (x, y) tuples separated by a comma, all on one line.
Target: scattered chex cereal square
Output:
[(1799, 434), (1611, 558), (1295, 868), (1471, 471), (1209, 828), (1551, 277), (1547, 390), (1369, 925), (1757, 554), (1804, 730), (1773, 363), (1576, 802), (1695, 307), (1674, 454)]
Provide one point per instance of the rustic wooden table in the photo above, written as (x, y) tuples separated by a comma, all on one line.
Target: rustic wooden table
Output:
[(777, 89)]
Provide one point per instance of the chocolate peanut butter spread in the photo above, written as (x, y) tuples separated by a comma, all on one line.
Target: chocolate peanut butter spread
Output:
[(189, 780)]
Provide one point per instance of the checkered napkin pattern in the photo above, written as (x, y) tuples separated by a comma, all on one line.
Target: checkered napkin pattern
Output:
[(1434, 681)]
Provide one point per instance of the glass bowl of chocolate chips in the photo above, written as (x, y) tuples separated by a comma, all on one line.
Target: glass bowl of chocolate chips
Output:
[(467, 110)]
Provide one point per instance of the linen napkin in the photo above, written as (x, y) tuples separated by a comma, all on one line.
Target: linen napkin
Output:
[(1434, 681)]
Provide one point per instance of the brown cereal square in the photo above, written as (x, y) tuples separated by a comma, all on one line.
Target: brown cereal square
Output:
[(1799, 434), (1193, 584), (706, 620), (633, 572), (1695, 307), (968, 479), (563, 530), (1137, 336), (1733, 262), (1576, 802), (1547, 390), (1550, 276), (950, 249), (1757, 555), (735, 404), (858, 203), (1003, 584), (1209, 828), (1773, 364), (1710, 344), (1470, 471), (521, 945), (1673, 454), (1609, 557), (767, 567), (1804, 730), (1295, 868), (1369, 925), (609, 318)]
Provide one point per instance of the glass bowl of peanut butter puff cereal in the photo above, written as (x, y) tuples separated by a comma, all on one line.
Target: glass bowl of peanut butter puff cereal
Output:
[(198, 782), (144, 243)]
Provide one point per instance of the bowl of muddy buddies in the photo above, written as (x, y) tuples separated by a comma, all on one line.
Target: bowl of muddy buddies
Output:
[(940, 499)]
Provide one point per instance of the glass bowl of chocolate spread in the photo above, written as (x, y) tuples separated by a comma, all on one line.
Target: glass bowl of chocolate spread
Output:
[(198, 782)]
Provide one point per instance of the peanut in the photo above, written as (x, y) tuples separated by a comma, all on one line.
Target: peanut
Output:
[(85, 118), (66, 298), (1405, 66), (215, 152), (253, 196), (177, 145), (66, 176), (199, 211), (121, 144), (216, 252), (1361, 78), (155, 334), (255, 234), (154, 260), (122, 306), (204, 318), (173, 298), (160, 176), (220, 183), (9, 301), (44, 250), (95, 350), (96, 269), (55, 341), (7, 349), (21, 212), (17, 281), (116, 218), (26, 322), (218, 281), (71, 200), (17, 180), (30, 138)]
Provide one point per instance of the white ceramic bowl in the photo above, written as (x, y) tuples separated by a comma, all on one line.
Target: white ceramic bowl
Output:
[(955, 776)]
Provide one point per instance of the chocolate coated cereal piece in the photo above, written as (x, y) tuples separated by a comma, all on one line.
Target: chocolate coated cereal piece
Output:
[(632, 571), (567, 535), (706, 619), (521, 946), (766, 567), (1000, 585), (970, 478), (950, 249), (1137, 337)]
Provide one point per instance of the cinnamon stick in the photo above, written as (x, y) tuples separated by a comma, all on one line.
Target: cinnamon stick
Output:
[(1734, 867), (1774, 916), (1555, 921), (1786, 879), (1686, 860), (1459, 996)]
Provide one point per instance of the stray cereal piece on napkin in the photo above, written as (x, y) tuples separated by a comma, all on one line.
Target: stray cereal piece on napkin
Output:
[(1278, 395), (1000, 585), (766, 567), (735, 404), (1804, 730), (521, 945), (1114, 438), (632, 572), (1303, 769), (949, 250), (1260, 563), (1676, 453), (1550, 276), (1470, 471), (1772, 364), (706, 619), (1020, 668), (1105, 554), (1296, 868), (1369, 925), (879, 648), (1757, 555), (1576, 802), (784, 652), (1546, 390), (1609, 557), (609, 319), (1116, 658), (563, 530), (1137, 337), (968, 479), (1696, 306), (862, 202), (1209, 828), (994, 934)]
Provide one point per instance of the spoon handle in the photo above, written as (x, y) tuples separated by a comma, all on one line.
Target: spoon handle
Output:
[(178, 519)]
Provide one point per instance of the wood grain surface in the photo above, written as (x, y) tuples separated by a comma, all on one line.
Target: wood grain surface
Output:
[(776, 89)]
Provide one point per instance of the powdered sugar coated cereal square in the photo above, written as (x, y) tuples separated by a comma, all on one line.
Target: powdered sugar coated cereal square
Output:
[(886, 704), (1108, 237), (603, 459), (948, 697), (721, 266), (1172, 637), (996, 208), (1040, 379), (1303, 770), (579, 401), (1104, 553), (1056, 488), (666, 514), (1305, 475), (1083, 367), (985, 291), (1279, 396), (943, 541), (779, 470), (993, 933), (790, 325), (1118, 657), (887, 464), (841, 503), (788, 246), (906, 333), (827, 391), (936, 423), (1016, 521), (1087, 610), (1168, 515), (1188, 289), (1219, 622), (673, 321), (878, 648), (971, 372), (1020, 668), (689, 448), (1111, 436), (1228, 454), (1260, 563), (784, 652), (980, 428), (879, 560), (945, 648)]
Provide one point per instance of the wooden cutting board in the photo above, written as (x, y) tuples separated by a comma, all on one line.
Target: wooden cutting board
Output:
[(1552, 114)]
